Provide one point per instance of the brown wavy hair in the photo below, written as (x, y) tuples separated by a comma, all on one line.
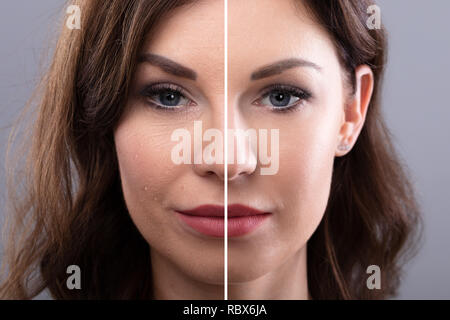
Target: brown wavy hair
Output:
[(67, 206)]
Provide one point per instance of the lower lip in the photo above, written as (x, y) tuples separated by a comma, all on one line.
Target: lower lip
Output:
[(215, 226)]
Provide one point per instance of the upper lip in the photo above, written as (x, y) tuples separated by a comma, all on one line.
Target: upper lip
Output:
[(234, 210)]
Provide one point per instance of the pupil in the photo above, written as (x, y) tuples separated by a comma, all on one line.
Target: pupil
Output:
[(279, 99), (170, 98)]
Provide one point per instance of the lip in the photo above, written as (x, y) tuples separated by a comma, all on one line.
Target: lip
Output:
[(209, 219)]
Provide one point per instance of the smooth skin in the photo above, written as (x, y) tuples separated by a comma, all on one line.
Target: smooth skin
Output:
[(269, 262)]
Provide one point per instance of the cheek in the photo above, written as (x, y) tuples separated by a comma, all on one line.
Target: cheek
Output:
[(306, 163), (146, 169)]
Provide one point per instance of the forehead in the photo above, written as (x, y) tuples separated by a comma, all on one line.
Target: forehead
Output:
[(192, 35), (259, 33), (262, 31)]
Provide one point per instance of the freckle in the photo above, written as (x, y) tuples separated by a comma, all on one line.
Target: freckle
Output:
[(182, 187)]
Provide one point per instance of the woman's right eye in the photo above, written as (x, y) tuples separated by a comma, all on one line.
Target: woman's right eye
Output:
[(166, 96)]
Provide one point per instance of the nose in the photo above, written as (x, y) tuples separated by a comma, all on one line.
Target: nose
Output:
[(241, 157), (240, 163)]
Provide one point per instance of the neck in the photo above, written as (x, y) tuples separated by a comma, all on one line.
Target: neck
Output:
[(287, 282)]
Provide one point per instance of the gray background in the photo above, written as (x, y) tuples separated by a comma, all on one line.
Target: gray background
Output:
[(415, 102)]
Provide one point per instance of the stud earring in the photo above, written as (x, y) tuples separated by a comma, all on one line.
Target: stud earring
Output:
[(343, 147)]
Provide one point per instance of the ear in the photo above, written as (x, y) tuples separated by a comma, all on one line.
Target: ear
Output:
[(355, 110)]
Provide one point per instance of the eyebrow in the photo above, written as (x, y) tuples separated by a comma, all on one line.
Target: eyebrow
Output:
[(280, 66), (168, 65)]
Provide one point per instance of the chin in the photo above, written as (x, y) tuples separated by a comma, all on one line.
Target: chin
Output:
[(210, 272), (240, 271)]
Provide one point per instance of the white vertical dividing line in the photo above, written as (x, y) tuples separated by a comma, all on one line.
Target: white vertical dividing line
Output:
[(225, 179)]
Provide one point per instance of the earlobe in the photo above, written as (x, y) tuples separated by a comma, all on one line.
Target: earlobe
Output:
[(355, 110)]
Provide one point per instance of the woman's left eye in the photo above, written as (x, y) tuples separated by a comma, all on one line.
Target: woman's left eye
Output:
[(281, 97)]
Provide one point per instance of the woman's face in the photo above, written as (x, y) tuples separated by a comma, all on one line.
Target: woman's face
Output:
[(308, 116)]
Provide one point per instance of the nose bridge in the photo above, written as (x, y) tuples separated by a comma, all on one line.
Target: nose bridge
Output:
[(242, 140), (209, 132)]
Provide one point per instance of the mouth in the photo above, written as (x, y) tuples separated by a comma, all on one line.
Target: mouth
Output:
[(210, 219)]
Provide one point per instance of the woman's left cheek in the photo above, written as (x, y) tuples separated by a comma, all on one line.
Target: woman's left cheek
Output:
[(306, 164)]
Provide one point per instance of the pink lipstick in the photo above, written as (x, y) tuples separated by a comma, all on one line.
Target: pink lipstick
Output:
[(209, 219)]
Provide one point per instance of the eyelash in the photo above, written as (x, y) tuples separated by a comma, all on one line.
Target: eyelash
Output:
[(159, 88), (302, 94)]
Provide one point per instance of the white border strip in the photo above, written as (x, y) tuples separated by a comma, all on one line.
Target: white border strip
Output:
[(225, 179)]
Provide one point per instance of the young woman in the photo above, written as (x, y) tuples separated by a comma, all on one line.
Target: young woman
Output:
[(103, 192)]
